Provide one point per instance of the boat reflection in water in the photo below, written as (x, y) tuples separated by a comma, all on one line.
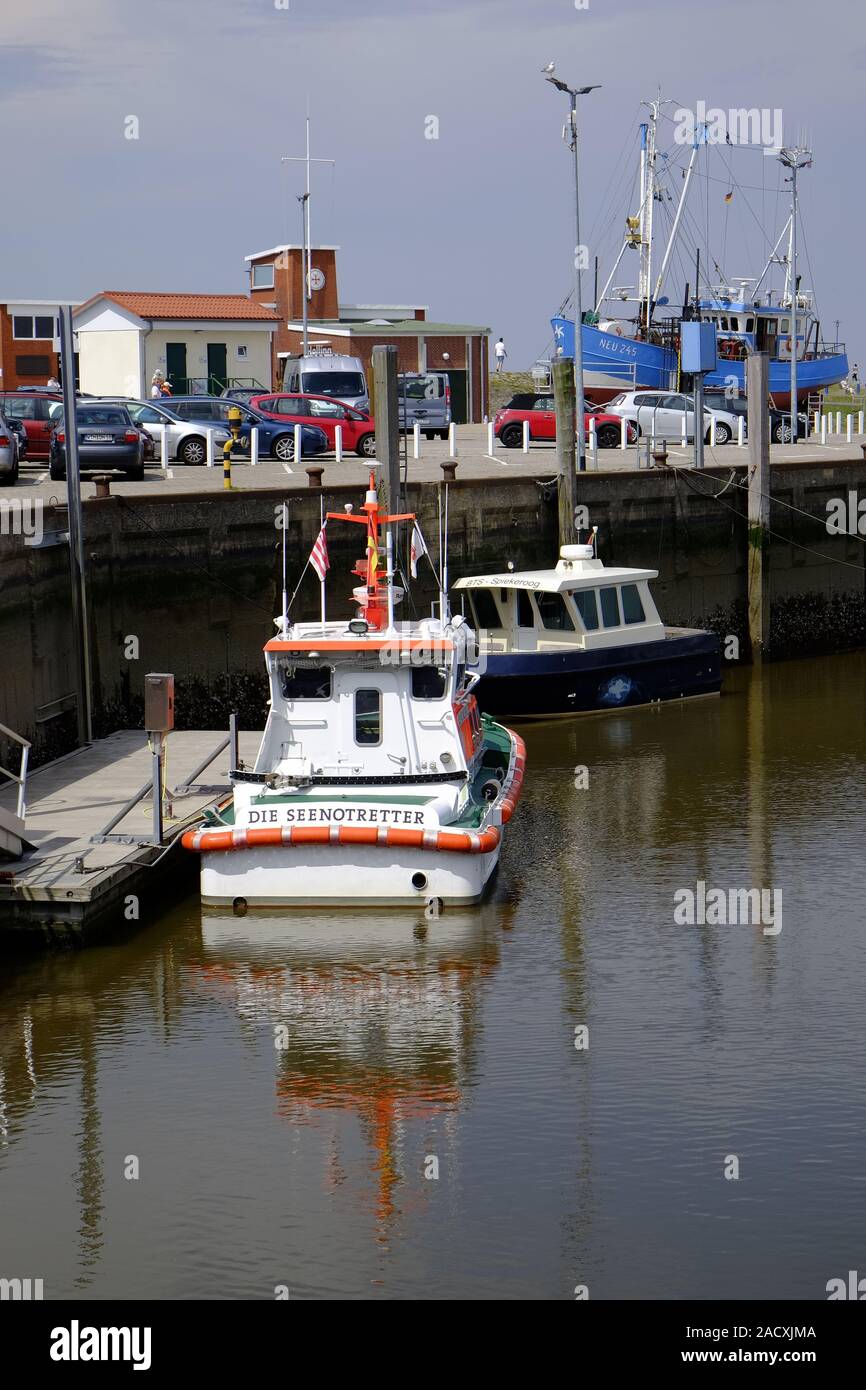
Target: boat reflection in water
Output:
[(382, 1024)]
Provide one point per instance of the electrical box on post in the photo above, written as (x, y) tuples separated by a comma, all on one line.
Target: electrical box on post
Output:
[(698, 347), (158, 703)]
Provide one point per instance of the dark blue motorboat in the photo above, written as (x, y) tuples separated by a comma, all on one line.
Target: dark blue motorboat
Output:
[(581, 638)]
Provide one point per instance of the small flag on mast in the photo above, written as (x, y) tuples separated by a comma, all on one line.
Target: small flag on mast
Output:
[(417, 548), (729, 196), (319, 556)]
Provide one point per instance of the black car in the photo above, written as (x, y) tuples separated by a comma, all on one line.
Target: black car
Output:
[(107, 438), (780, 420)]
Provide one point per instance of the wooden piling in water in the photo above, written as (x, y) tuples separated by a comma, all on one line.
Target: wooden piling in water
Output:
[(759, 505), (562, 373)]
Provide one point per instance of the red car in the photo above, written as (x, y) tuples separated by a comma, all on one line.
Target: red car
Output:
[(541, 414), (359, 429), (33, 409)]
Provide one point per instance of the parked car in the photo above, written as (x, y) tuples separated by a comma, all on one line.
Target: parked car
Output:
[(107, 438), (31, 407), (9, 457), (425, 398), (328, 374), (659, 414), (17, 428), (242, 393), (275, 439), (359, 429), (186, 440), (780, 420), (540, 411)]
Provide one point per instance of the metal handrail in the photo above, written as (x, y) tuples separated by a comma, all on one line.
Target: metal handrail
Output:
[(21, 777)]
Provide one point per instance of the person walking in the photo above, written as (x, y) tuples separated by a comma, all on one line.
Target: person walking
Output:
[(855, 379), (500, 354)]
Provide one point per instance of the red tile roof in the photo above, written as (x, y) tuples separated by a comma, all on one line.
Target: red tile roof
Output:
[(187, 306)]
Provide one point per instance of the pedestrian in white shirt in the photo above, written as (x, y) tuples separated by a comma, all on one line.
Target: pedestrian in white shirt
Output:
[(500, 354)]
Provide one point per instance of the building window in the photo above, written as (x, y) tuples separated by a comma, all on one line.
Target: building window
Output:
[(242, 354), (368, 716), (33, 366), (28, 326), (263, 276)]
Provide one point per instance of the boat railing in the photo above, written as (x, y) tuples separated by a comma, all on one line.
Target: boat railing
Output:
[(19, 777)]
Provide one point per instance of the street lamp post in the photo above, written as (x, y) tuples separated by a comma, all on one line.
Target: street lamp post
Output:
[(304, 201), (580, 404)]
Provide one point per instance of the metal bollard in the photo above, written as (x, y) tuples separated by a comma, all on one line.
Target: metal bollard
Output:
[(163, 447), (684, 435), (416, 440), (816, 424), (449, 470), (227, 466), (314, 475), (491, 440), (849, 429), (838, 422), (208, 447), (452, 440), (623, 433), (298, 442), (254, 446), (338, 444), (860, 422), (526, 436), (823, 429), (593, 441), (741, 431)]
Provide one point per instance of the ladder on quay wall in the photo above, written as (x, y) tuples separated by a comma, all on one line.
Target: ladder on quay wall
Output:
[(12, 840)]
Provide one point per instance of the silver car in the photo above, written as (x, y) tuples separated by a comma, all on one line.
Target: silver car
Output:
[(8, 453), (186, 440), (424, 398), (660, 415)]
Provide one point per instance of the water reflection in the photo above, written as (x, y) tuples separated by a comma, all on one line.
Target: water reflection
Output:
[(375, 1017)]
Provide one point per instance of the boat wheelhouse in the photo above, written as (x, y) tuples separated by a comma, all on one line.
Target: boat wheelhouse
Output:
[(377, 780), (582, 638)]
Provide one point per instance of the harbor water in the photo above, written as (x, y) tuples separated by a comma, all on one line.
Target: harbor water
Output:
[(567, 1088)]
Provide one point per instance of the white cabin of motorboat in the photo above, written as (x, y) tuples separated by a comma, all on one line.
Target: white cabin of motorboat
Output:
[(581, 603)]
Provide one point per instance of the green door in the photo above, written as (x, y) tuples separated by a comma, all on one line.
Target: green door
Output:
[(175, 368), (459, 402), (216, 368)]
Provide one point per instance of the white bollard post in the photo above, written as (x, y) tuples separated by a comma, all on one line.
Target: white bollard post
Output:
[(163, 446), (823, 429), (338, 443), (684, 439), (838, 422), (593, 442), (712, 430), (741, 431), (860, 422), (208, 446), (254, 446), (623, 432), (849, 429), (416, 440), (298, 443), (452, 440), (816, 424), (491, 440), (526, 436)]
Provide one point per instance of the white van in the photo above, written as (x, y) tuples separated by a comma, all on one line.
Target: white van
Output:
[(328, 374)]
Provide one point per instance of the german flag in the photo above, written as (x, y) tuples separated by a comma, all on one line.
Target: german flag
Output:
[(373, 554)]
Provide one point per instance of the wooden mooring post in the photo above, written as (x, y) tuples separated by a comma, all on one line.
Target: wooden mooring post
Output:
[(759, 505), (562, 373)]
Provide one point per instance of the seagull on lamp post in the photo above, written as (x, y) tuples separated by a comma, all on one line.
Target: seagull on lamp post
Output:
[(551, 67)]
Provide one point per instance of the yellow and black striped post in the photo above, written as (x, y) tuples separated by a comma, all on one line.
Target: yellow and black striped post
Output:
[(234, 423)]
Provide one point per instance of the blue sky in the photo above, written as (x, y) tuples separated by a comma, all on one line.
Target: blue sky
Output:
[(476, 224)]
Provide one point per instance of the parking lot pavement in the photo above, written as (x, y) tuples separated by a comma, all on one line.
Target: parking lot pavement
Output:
[(473, 462)]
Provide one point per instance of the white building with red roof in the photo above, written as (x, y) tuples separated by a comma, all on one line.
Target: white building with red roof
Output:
[(200, 342)]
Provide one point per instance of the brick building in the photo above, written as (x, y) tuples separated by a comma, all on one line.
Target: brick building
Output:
[(460, 349), (29, 342)]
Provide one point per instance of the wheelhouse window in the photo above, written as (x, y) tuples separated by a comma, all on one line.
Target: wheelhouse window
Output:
[(525, 617), (554, 613), (368, 716), (632, 608), (609, 607), (485, 614), (429, 682), (587, 607), (305, 682)]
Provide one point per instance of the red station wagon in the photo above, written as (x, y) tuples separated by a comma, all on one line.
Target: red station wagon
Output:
[(541, 414), (359, 429)]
